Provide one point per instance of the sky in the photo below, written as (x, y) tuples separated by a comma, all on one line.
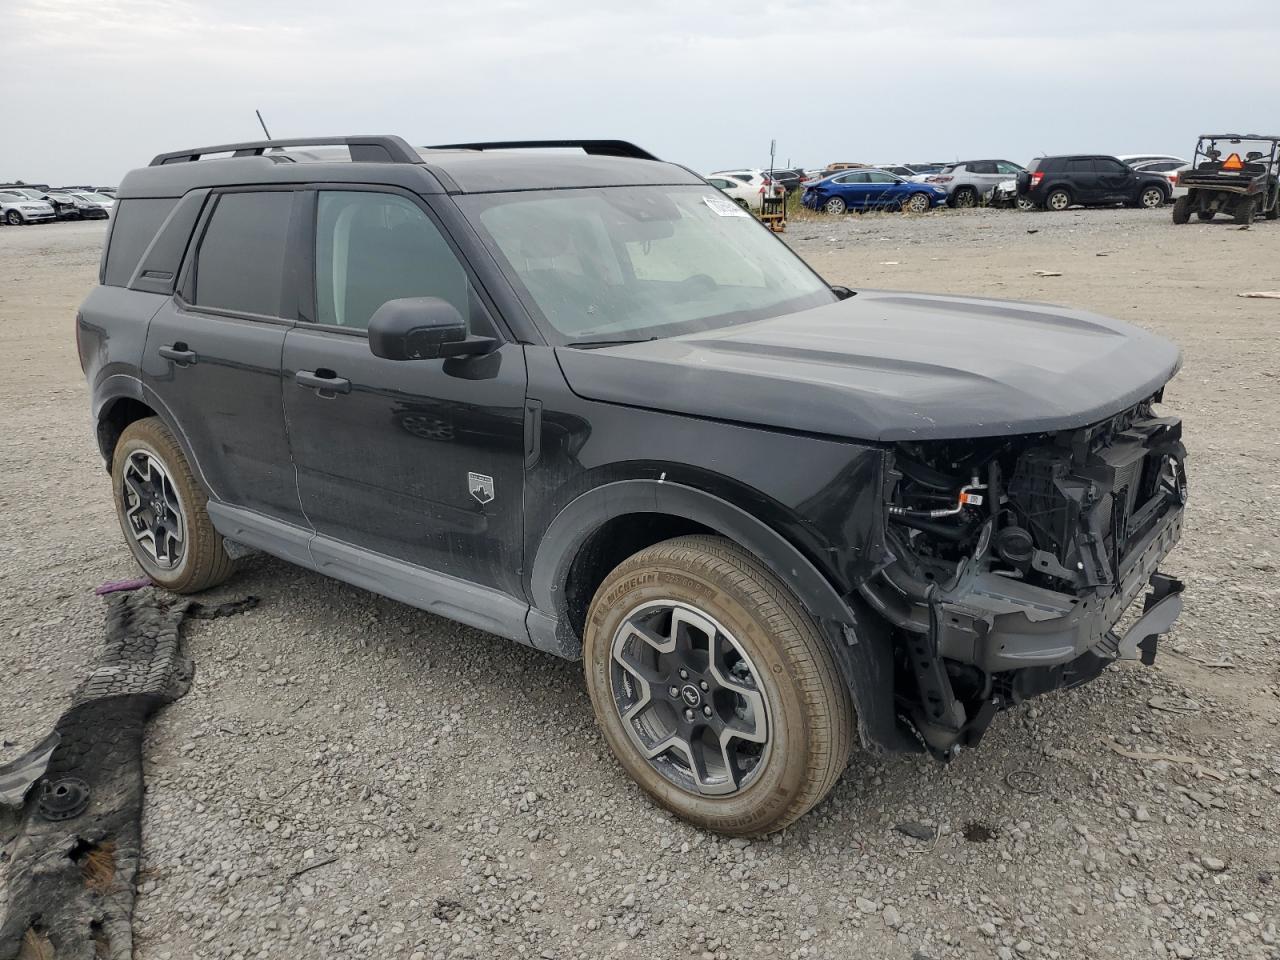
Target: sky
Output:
[(92, 88)]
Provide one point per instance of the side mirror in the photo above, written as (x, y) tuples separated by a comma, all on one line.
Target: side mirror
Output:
[(422, 328)]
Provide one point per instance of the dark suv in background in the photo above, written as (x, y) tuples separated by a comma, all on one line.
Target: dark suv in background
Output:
[(587, 403), (1056, 183)]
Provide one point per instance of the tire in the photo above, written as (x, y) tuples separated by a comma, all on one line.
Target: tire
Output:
[(1151, 198), (964, 198), (1024, 204), (1273, 212), (835, 205), (1206, 215), (783, 680), (14, 218), (916, 203), (188, 555), (1057, 200), (1182, 210), (1245, 210)]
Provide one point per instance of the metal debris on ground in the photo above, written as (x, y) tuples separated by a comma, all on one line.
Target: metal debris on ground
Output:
[(1262, 294), (1047, 273), (72, 861), (1026, 781)]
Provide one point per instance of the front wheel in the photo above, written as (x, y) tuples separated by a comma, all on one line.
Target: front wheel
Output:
[(916, 203), (1206, 215), (162, 512), (1182, 210), (835, 205), (714, 688), (1245, 210), (1024, 204), (13, 218)]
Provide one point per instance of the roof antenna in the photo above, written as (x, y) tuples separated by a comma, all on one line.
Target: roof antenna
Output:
[(263, 122)]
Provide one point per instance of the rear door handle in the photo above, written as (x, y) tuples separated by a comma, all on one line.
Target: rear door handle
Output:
[(179, 354), (324, 382)]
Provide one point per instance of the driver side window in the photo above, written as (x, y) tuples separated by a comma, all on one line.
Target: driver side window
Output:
[(374, 247)]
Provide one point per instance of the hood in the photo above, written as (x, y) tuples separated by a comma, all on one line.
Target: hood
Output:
[(890, 366)]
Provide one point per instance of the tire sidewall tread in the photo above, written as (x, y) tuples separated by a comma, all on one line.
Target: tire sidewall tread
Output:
[(811, 714), (205, 562)]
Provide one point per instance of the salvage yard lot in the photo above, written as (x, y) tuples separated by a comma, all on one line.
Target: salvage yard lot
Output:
[(447, 794)]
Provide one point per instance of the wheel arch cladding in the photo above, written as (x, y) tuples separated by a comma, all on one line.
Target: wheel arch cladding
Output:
[(602, 519), (116, 414)]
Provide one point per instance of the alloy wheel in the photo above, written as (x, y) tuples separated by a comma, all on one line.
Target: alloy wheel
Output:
[(153, 510), (689, 698), (918, 203), (835, 205)]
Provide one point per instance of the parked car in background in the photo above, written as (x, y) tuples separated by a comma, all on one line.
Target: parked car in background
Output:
[(1133, 159), (109, 191), (76, 206), (747, 188), (16, 208), (102, 200), (790, 178), (1169, 169), (969, 181), (897, 169), (1056, 183), (871, 190), (1006, 195), (63, 209)]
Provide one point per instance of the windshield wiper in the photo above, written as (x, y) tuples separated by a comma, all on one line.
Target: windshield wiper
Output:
[(608, 343)]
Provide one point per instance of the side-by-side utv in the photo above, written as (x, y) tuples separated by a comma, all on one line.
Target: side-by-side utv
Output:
[(1244, 184)]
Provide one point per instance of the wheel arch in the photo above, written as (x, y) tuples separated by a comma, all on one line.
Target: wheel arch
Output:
[(578, 550), (127, 402)]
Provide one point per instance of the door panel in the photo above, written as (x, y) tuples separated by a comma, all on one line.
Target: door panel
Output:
[(212, 357), (387, 464), (422, 460)]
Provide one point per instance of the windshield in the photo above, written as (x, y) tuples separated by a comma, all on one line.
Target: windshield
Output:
[(634, 263)]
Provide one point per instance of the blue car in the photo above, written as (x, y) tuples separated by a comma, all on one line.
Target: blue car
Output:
[(871, 190)]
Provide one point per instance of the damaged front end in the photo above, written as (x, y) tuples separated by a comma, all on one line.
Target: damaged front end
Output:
[(1010, 560)]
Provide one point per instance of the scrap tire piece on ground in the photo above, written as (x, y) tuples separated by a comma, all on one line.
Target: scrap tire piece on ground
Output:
[(73, 858)]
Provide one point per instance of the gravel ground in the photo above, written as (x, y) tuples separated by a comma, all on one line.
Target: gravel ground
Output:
[(351, 777)]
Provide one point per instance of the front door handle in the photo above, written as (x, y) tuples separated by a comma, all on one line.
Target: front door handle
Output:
[(324, 382), (179, 354)]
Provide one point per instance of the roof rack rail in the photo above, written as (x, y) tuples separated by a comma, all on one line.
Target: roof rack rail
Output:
[(375, 149), (599, 148)]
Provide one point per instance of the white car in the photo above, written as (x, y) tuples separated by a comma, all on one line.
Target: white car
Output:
[(100, 199), (1169, 169), (1133, 159), (745, 187), (17, 209)]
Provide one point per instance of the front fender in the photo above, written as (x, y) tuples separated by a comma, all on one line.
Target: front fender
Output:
[(859, 641)]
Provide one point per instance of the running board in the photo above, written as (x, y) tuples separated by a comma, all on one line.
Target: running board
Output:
[(460, 600)]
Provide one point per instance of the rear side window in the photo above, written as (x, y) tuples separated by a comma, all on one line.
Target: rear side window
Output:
[(136, 223), (982, 166), (1082, 165), (240, 264)]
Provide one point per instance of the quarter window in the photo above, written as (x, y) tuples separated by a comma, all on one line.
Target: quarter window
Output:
[(240, 265), (375, 247)]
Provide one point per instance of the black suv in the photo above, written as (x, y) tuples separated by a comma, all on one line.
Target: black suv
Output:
[(585, 402), (1055, 183)]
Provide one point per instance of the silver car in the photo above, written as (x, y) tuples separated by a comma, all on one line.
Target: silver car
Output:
[(17, 209), (969, 182)]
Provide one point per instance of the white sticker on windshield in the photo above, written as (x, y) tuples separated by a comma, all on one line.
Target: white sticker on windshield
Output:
[(724, 207)]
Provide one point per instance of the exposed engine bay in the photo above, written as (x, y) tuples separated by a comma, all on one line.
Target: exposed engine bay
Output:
[(1013, 558)]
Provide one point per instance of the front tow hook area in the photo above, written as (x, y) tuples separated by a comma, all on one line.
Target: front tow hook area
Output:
[(1160, 609)]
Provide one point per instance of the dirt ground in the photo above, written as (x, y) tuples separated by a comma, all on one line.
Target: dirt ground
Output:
[(351, 777)]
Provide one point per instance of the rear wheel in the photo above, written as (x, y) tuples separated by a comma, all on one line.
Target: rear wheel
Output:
[(1273, 212), (1206, 215), (714, 688), (1182, 210), (916, 203), (835, 205), (1245, 210), (1151, 197), (162, 511), (1057, 200), (1024, 204), (964, 197)]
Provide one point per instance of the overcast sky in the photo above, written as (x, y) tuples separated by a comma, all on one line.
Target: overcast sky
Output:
[(94, 87)]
